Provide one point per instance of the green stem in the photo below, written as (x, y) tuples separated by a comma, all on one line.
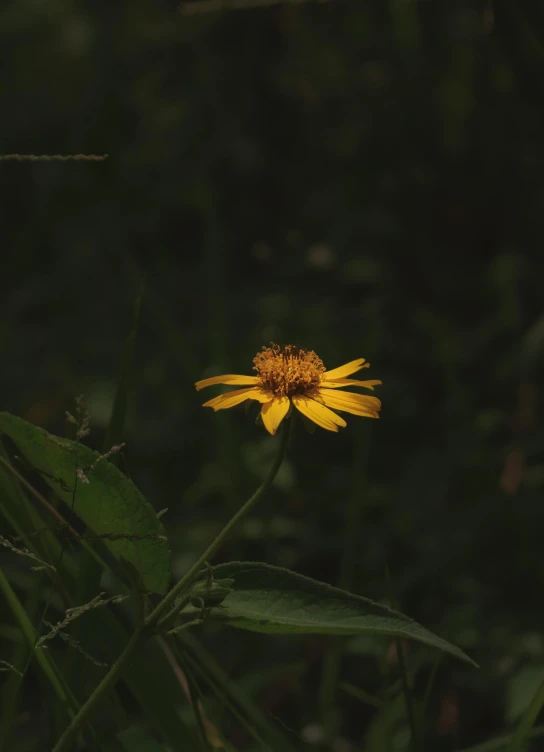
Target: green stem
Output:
[(523, 732), (189, 576), (407, 696), (352, 525), (44, 661), (145, 630)]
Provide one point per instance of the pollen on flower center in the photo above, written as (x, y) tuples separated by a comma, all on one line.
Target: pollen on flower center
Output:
[(288, 369)]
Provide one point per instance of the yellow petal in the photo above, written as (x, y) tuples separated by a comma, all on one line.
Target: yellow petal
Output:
[(345, 370), (337, 383), (274, 412), (230, 399), (350, 402), (318, 413), (229, 378)]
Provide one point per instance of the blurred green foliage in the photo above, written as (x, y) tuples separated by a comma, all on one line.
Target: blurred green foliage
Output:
[(360, 177)]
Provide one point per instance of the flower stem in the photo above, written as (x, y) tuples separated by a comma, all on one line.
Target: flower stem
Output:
[(144, 631), (189, 576)]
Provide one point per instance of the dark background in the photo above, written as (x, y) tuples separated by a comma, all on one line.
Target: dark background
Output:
[(362, 178)]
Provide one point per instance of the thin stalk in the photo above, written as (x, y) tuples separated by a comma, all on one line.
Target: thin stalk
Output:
[(51, 509), (501, 742), (407, 694), (9, 697), (406, 691), (189, 576), (428, 690), (522, 734), (352, 528), (361, 695), (145, 630), (217, 689), (267, 735), (30, 635)]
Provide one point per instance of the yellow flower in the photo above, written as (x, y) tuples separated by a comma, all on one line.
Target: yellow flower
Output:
[(289, 375)]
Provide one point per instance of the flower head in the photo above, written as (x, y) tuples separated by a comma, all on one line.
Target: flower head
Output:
[(289, 375)]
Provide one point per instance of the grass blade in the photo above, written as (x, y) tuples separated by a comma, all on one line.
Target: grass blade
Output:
[(116, 427), (523, 731)]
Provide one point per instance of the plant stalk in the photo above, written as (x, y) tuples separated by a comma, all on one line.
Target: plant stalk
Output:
[(144, 631)]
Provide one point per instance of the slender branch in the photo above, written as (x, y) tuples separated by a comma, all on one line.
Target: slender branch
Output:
[(523, 731), (408, 701), (191, 575), (53, 157), (145, 630), (214, 6), (51, 509)]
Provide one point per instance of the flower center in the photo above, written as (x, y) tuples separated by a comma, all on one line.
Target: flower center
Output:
[(288, 369)]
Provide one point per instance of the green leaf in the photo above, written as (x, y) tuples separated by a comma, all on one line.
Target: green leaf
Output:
[(274, 600), (109, 503)]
